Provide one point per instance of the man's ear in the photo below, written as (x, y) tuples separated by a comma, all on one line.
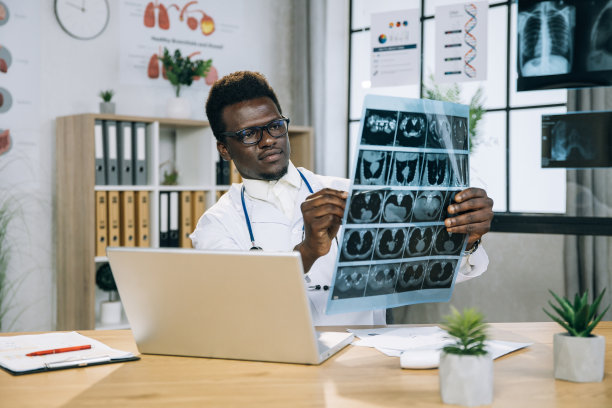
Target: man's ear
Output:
[(222, 148)]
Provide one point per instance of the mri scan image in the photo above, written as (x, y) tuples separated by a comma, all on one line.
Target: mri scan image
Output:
[(373, 167), (358, 244), (420, 240), (439, 135), (405, 169), (600, 50), (427, 205), (390, 243), (435, 170), (350, 282), (460, 133), (545, 42), (398, 207), (411, 276), (458, 170), (365, 207), (412, 130), (449, 198), (439, 274), (569, 142), (379, 127), (447, 243), (382, 279)]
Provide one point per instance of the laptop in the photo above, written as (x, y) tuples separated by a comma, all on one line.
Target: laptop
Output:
[(220, 304)]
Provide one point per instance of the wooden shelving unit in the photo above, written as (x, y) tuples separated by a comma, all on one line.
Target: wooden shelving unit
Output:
[(188, 144)]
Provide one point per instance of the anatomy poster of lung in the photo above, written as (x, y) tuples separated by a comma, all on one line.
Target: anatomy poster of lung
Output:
[(461, 42), (564, 44), (394, 250), (395, 38), (200, 29), (577, 140)]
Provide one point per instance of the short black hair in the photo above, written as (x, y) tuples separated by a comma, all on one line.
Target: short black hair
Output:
[(236, 87)]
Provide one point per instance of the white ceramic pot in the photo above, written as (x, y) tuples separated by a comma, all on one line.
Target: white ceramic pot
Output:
[(107, 107), (178, 108), (579, 359), (110, 312), (466, 380)]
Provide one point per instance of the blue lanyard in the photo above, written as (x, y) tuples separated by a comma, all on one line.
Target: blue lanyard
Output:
[(246, 214)]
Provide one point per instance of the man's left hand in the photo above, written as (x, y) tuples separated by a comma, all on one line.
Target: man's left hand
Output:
[(471, 214)]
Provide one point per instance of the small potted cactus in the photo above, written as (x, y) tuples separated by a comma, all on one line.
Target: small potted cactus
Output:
[(578, 355), (106, 106), (466, 368)]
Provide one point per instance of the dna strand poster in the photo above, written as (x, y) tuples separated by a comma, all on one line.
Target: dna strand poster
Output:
[(461, 42), (411, 159)]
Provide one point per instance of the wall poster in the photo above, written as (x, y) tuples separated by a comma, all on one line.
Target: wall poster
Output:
[(412, 158)]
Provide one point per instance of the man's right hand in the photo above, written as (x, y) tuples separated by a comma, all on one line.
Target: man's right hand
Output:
[(322, 213)]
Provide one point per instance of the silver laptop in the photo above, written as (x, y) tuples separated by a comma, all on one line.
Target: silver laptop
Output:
[(222, 304)]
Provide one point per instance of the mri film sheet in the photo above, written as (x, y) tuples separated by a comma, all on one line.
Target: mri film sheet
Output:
[(411, 160)]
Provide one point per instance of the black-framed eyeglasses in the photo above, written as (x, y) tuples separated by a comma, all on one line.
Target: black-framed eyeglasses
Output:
[(252, 135)]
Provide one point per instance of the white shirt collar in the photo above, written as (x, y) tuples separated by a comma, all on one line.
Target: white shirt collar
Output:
[(262, 189)]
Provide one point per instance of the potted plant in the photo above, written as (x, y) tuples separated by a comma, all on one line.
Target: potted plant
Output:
[(466, 368), (181, 71), (106, 106), (110, 310), (578, 355)]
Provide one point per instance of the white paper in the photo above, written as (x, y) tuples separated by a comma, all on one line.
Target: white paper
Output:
[(396, 50), (13, 350), (461, 42)]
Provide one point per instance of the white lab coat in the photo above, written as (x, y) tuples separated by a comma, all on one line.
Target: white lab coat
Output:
[(223, 226)]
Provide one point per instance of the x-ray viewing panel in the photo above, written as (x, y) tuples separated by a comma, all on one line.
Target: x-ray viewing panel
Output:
[(577, 140), (411, 160), (564, 44)]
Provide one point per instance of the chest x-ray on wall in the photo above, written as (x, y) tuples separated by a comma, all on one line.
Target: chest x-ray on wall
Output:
[(564, 43), (577, 140)]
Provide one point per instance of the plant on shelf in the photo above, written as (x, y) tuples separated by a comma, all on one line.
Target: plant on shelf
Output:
[(107, 106), (578, 355), (182, 70), (466, 359), (452, 93)]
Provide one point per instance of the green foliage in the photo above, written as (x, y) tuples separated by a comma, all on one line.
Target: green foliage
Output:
[(170, 179), (107, 95), (469, 329), (452, 93), (580, 318), (182, 70)]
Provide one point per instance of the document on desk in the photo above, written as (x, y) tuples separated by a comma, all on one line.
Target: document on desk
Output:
[(420, 347), (412, 157), (34, 353)]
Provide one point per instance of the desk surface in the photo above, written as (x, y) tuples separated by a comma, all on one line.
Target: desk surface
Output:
[(355, 377)]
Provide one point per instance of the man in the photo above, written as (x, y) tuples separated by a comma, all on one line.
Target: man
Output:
[(281, 208)]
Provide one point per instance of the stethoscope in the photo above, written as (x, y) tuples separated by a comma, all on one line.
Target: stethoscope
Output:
[(248, 224)]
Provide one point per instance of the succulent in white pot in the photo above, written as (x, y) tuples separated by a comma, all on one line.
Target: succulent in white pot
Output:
[(578, 355), (107, 106), (466, 368)]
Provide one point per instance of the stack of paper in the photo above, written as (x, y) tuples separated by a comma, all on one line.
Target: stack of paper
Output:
[(51, 348), (420, 347)]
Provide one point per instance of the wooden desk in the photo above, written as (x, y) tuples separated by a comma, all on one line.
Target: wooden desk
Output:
[(356, 377)]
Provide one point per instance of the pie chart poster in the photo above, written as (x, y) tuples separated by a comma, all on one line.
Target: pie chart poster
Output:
[(411, 159)]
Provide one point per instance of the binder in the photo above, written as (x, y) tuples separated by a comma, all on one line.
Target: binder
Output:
[(186, 220), (126, 158), (164, 233), (101, 223), (198, 205), (110, 152), (99, 153), (173, 211), (139, 138), (114, 230), (54, 345), (141, 204), (126, 213), (223, 172)]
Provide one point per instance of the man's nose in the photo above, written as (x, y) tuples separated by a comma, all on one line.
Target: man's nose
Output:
[(266, 138)]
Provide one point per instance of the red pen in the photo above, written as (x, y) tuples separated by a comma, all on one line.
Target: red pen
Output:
[(59, 350)]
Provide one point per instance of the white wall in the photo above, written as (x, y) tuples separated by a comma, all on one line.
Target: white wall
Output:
[(72, 72)]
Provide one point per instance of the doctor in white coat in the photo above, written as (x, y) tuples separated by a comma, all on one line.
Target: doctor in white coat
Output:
[(279, 207)]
